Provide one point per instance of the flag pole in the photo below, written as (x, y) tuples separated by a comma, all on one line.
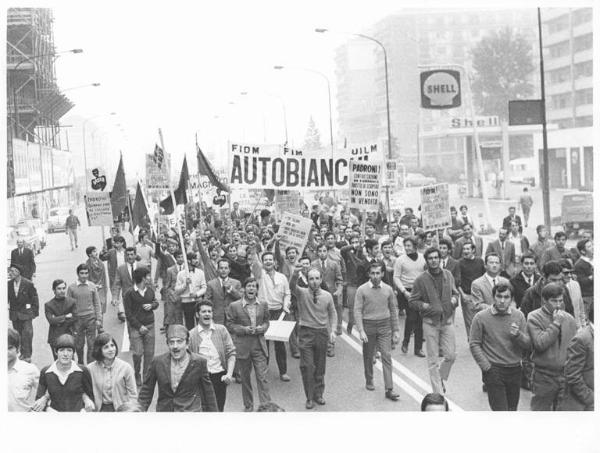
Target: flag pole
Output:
[(199, 188), (185, 262)]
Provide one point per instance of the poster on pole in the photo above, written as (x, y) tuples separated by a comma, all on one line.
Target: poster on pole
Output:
[(294, 231), (435, 207), (390, 174), (96, 179), (157, 178), (98, 209), (287, 201), (365, 189)]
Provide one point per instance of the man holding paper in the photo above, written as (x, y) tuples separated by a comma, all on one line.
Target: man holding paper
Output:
[(317, 319)]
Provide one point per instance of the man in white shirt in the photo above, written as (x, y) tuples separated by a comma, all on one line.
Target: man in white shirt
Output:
[(481, 288), (274, 289), (190, 287), (23, 377)]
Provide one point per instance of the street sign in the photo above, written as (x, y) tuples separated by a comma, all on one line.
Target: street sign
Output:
[(440, 89)]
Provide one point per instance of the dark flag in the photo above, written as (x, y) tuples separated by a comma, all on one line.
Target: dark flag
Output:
[(180, 192), (204, 168), (118, 196), (139, 211), (207, 266)]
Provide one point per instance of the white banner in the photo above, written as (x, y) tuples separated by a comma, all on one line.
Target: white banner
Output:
[(390, 174), (157, 178), (294, 230), (287, 201), (249, 199), (435, 207), (365, 190), (278, 167), (99, 209)]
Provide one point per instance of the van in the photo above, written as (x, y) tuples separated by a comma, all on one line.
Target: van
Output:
[(577, 212)]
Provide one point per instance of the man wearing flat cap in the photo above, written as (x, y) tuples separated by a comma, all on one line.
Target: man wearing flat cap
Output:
[(23, 306), (184, 384)]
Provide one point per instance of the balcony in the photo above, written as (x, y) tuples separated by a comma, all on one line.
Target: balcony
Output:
[(584, 82), (583, 29), (557, 88), (551, 63), (585, 55), (584, 110), (556, 37), (558, 114)]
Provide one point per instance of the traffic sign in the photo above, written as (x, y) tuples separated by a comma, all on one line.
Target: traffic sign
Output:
[(440, 89)]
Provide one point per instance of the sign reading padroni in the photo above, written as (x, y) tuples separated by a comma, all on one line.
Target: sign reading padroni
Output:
[(440, 89), (365, 181)]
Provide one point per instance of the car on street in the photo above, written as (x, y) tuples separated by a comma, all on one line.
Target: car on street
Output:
[(27, 233), (577, 212), (419, 179), (57, 218), (39, 227)]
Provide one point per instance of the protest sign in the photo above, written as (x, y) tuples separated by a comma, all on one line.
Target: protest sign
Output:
[(250, 199), (365, 191), (435, 207), (99, 209), (157, 178), (279, 167), (294, 231), (390, 173), (287, 201), (96, 179)]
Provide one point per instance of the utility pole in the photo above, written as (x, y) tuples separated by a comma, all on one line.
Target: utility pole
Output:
[(545, 164)]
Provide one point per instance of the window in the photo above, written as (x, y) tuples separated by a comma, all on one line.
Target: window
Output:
[(581, 16), (561, 101), (558, 24), (584, 121), (581, 43), (583, 97), (559, 50), (584, 69), (565, 124), (560, 75)]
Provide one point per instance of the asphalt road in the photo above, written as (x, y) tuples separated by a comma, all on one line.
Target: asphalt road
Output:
[(344, 380)]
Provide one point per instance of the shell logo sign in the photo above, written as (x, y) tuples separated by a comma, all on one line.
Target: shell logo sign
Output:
[(440, 89)]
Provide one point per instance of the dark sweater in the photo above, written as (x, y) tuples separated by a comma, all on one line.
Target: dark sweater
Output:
[(584, 272), (67, 397), (135, 313), (470, 270), (353, 259)]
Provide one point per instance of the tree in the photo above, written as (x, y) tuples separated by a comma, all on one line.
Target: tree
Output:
[(502, 63), (312, 139)]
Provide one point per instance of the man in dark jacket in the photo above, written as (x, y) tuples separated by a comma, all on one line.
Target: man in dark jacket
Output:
[(184, 384), (584, 269), (23, 256), (532, 299), (60, 312), (525, 279), (23, 308)]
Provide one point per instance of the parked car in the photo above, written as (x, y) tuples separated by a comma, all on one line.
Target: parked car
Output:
[(577, 212), (419, 179), (39, 227), (28, 234), (523, 171), (57, 218)]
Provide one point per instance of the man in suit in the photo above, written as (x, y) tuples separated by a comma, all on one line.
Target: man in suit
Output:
[(468, 236), (525, 279), (447, 262), (481, 288), (124, 276), (23, 306), (521, 243), (184, 384), (470, 269), (23, 256), (115, 257), (505, 250), (332, 277), (237, 215), (247, 321), (221, 291), (512, 217)]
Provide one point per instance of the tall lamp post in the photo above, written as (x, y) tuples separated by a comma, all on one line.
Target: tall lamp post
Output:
[(280, 67), (387, 98)]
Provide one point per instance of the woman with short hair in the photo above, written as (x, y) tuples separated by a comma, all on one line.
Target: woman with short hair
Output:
[(112, 378), (64, 385)]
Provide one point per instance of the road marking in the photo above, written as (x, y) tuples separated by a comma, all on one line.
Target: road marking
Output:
[(402, 370)]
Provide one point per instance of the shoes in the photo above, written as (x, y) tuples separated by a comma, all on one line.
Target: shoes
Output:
[(121, 316), (296, 355), (338, 330), (390, 395), (284, 378), (484, 388), (419, 353), (320, 401), (309, 404), (404, 348), (248, 409), (370, 386)]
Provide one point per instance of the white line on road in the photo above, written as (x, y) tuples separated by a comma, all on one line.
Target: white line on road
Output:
[(402, 370)]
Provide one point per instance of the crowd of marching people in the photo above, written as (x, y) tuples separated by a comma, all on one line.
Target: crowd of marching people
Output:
[(527, 305)]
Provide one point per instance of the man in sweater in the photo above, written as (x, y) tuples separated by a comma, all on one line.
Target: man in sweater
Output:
[(317, 319), (377, 323), (558, 251), (140, 303), (498, 339), (435, 296), (97, 274), (470, 268), (406, 269), (551, 330), (88, 312)]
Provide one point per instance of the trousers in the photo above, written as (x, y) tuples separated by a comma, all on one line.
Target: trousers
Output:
[(142, 347), (503, 387), (439, 338), (350, 295), (86, 330), (379, 334), (25, 329), (280, 351), (72, 232), (547, 388), (189, 315), (466, 305), (220, 388), (313, 355), (413, 324), (258, 360)]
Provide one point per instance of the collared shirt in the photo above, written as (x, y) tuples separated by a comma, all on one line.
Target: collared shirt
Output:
[(196, 288), (586, 259), (223, 281), (208, 349), (496, 312), (145, 253), (517, 241), (129, 270), (63, 375), (493, 280), (140, 292), (177, 370), (251, 307), (528, 280), (107, 397), (23, 378), (274, 290), (17, 285)]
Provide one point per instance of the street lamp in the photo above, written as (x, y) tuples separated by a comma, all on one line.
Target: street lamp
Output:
[(279, 67), (387, 96)]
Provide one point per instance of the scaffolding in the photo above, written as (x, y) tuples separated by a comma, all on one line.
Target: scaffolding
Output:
[(34, 101)]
